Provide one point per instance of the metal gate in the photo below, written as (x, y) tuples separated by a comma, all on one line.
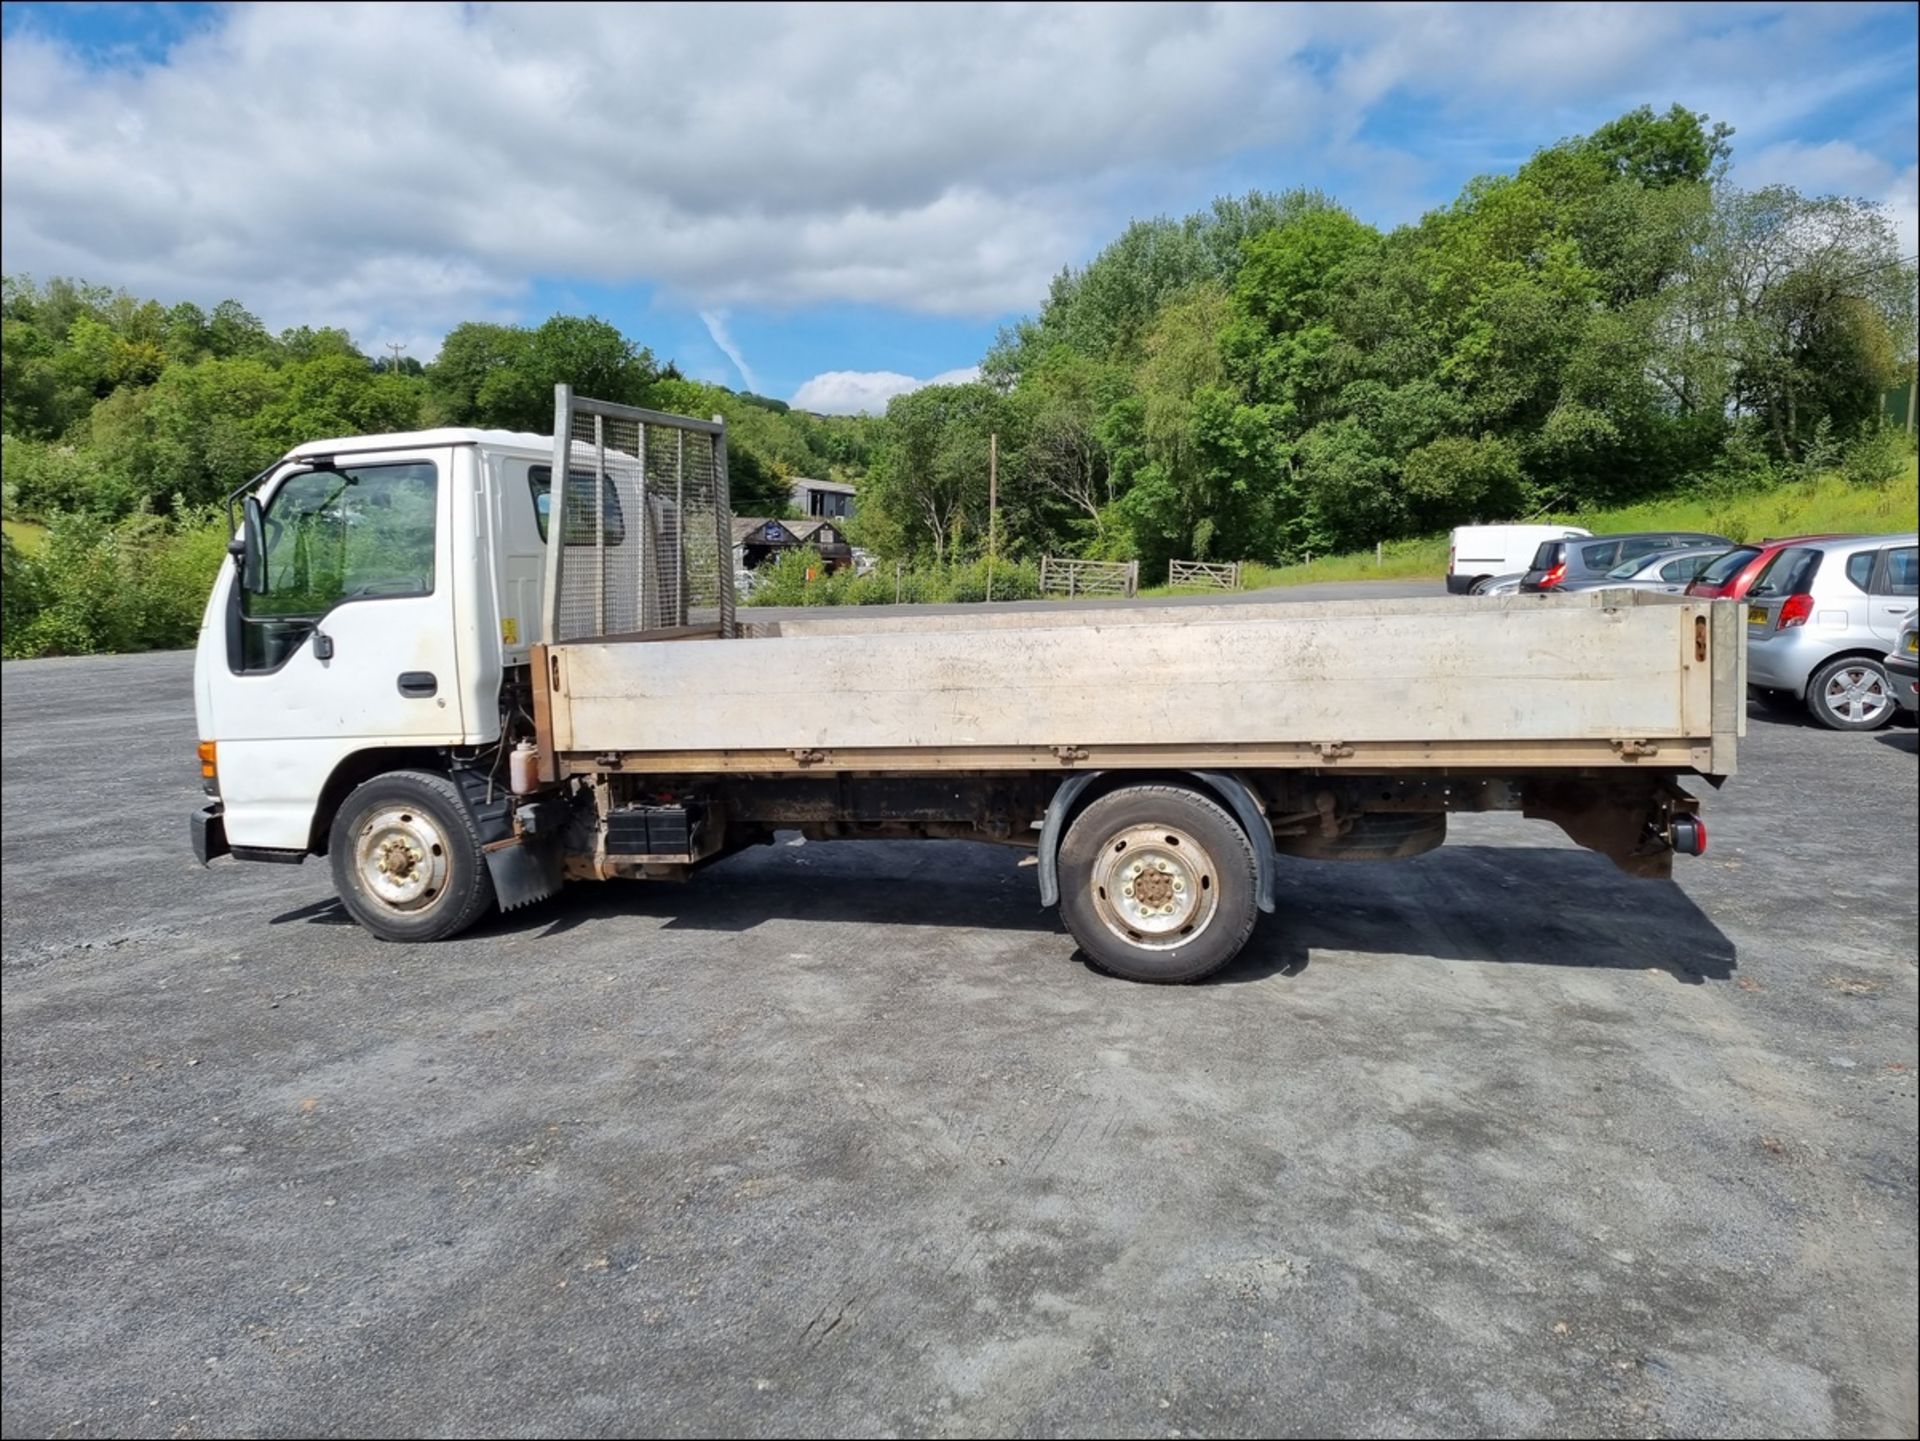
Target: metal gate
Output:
[(640, 535)]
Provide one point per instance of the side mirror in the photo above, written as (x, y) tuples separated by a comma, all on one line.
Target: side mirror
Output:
[(252, 549)]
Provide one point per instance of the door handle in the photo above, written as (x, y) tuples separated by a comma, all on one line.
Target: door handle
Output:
[(418, 684)]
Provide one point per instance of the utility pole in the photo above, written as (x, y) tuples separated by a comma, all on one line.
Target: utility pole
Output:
[(993, 503), (396, 347)]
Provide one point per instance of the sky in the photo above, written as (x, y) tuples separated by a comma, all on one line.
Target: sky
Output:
[(832, 204)]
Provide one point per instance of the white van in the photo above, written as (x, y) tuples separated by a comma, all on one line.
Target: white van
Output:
[(1478, 552)]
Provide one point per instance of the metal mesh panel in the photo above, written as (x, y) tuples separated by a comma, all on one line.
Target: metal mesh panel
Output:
[(653, 548)]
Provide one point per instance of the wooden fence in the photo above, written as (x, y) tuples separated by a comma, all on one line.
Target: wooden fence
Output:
[(1060, 575), (1198, 572)]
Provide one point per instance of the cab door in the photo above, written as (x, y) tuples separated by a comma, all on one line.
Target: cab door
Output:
[(347, 641)]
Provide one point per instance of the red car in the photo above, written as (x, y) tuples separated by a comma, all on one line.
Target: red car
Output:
[(1729, 577)]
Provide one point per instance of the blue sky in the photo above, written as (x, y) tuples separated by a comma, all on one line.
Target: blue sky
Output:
[(831, 203)]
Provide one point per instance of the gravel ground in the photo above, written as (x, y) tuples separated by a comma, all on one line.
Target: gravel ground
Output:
[(843, 1138)]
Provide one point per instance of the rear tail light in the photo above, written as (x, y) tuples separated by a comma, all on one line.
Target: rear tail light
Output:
[(1451, 552), (1688, 835), (1554, 576), (1794, 611)]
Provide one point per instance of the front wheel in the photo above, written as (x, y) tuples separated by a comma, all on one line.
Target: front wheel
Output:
[(406, 857), (1851, 694), (1158, 884)]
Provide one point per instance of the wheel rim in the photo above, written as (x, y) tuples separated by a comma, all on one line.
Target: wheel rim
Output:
[(1857, 694), (1155, 887), (400, 856)]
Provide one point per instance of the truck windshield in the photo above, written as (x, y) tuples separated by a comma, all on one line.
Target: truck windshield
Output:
[(336, 535)]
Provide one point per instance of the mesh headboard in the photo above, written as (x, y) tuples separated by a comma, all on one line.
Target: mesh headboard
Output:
[(640, 535)]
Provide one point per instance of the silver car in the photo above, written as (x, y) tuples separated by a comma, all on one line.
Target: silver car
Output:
[(1820, 620), (1903, 667), (1668, 571)]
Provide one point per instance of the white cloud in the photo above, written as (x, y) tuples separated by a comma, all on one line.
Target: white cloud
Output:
[(866, 392), (395, 168), (716, 323)]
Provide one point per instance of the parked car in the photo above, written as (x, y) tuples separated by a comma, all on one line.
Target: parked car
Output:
[(1668, 571), (1559, 563), (1498, 584), (1820, 620), (1477, 553), (1732, 576), (1903, 667)]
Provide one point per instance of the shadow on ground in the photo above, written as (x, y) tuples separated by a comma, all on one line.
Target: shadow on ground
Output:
[(1494, 904)]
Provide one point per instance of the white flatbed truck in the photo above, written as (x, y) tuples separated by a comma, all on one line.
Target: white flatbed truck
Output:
[(464, 685)]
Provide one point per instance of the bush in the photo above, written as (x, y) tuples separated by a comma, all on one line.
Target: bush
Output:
[(783, 581), (1876, 458), (95, 586)]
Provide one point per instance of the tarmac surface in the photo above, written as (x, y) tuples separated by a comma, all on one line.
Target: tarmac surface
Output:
[(844, 1138)]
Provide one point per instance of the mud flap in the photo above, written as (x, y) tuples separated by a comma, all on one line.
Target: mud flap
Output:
[(524, 869)]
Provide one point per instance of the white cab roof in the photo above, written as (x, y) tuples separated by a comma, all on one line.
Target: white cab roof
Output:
[(446, 435)]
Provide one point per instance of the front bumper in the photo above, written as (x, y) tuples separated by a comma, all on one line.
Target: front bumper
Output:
[(1905, 675), (209, 826)]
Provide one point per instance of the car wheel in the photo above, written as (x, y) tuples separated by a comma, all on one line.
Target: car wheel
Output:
[(1851, 694), (406, 858), (1157, 884)]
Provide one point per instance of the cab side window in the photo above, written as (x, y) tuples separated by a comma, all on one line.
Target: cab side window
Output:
[(580, 519), (330, 537)]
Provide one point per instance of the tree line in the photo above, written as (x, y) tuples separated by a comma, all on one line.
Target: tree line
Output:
[(1273, 376), (115, 406)]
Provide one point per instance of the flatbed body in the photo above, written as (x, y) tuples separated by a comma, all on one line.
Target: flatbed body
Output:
[(1595, 680)]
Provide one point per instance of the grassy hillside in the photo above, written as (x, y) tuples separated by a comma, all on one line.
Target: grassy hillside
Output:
[(1828, 503), (29, 535)]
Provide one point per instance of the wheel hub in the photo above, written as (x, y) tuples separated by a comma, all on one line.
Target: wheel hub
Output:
[(1155, 886), (1857, 694), (401, 858)]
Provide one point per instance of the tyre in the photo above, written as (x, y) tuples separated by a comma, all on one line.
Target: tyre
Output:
[(1157, 884), (406, 858), (1851, 694)]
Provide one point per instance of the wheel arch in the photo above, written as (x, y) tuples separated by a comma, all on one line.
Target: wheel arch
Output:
[(1225, 788), (355, 770), (1852, 652)]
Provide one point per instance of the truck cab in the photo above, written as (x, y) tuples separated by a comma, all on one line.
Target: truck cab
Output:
[(395, 590)]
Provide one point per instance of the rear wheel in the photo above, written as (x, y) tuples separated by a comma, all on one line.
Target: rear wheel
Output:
[(406, 858), (1851, 694), (1157, 884)]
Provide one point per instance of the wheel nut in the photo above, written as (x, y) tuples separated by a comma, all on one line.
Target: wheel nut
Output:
[(1127, 891), (1178, 884)]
